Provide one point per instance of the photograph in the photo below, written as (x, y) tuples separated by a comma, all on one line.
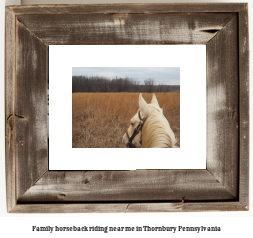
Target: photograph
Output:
[(125, 107), (113, 103)]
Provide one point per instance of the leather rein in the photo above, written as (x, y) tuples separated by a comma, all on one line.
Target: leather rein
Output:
[(136, 131)]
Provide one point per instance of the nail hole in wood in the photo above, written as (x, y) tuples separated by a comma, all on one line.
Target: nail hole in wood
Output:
[(86, 181), (61, 195)]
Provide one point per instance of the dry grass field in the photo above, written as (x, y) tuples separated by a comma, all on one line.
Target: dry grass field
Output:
[(99, 120)]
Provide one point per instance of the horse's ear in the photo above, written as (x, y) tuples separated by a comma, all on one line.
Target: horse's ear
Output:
[(142, 105), (154, 100)]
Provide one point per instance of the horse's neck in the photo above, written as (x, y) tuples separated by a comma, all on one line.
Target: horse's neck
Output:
[(156, 136)]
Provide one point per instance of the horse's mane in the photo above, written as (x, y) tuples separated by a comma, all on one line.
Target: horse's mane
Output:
[(156, 131)]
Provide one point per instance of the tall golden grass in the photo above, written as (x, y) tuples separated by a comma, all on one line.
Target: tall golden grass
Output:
[(99, 120)]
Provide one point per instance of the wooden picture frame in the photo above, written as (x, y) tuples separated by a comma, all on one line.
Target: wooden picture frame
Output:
[(222, 186)]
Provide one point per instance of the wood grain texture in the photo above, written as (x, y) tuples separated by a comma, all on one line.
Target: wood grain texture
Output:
[(186, 207), (223, 186), (30, 109), (140, 185), (9, 108), (128, 207), (130, 29), (222, 107), (154, 8), (244, 106)]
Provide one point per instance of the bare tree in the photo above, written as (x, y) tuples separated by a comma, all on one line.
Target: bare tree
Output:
[(103, 84)]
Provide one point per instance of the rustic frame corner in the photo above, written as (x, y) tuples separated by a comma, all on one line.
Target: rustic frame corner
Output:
[(223, 186)]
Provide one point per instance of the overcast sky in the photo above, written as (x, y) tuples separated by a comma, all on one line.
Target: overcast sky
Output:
[(162, 75)]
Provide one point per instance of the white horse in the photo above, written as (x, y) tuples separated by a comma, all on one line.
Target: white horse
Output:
[(149, 128)]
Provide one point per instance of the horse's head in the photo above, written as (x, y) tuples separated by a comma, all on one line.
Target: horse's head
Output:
[(133, 136)]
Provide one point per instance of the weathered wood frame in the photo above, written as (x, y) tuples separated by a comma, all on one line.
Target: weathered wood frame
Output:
[(222, 186)]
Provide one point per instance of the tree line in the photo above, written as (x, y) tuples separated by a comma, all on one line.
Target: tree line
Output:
[(103, 84)]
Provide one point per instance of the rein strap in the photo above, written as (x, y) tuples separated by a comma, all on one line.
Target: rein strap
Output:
[(136, 131)]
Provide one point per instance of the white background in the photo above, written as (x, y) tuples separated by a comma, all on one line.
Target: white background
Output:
[(234, 224), (192, 62)]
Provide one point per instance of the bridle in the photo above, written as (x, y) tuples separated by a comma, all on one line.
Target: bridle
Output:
[(136, 131)]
